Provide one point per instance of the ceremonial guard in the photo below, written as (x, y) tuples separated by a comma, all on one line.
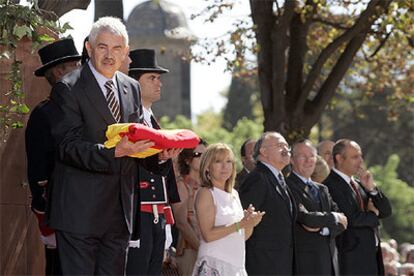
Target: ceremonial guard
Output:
[(157, 192), (58, 59)]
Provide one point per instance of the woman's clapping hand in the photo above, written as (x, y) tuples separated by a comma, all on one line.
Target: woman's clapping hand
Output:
[(251, 217)]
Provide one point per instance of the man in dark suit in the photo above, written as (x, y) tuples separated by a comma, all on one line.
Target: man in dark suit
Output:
[(157, 192), (363, 204), (92, 191), (246, 154), (269, 251), (58, 59), (318, 220)]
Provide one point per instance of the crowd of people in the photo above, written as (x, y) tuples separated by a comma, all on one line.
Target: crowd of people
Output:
[(398, 259), (292, 210)]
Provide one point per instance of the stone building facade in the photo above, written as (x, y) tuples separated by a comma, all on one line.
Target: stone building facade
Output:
[(162, 25)]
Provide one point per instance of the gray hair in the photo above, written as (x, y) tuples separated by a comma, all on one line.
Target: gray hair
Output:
[(259, 142), (306, 142), (109, 24)]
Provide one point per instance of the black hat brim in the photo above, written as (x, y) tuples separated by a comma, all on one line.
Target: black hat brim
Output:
[(158, 69), (40, 72)]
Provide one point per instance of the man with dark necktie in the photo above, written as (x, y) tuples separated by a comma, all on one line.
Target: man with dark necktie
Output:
[(270, 249), (92, 187), (363, 204), (157, 192), (318, 220)]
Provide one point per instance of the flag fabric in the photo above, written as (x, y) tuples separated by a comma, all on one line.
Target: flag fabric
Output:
[(163, 139)]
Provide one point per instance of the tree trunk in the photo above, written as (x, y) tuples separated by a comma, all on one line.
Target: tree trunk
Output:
[(109, 8), (56, 8), (284, 87), (239, 104)]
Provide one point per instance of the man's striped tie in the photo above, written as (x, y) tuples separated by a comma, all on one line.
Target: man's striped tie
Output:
[(112, 101)]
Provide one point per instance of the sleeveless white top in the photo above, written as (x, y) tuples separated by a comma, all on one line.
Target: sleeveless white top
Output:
[(231, 248)]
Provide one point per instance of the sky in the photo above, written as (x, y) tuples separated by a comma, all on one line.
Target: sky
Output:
[(207, 82)]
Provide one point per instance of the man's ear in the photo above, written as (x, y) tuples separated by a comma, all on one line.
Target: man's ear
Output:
[(88, 48), (126, 52), (338, 158), (58, 72), (262, 151)]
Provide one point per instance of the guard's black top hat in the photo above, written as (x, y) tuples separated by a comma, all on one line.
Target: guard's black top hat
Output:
[(57, 52), (144, 61)]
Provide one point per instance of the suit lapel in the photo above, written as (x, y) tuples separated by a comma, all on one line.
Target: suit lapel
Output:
[(273, 181), (305, 190), (276, 186), (324, 200), (346, 187), (94, 93), (124, 98), (155, 123), (303, 187), (293, 202)]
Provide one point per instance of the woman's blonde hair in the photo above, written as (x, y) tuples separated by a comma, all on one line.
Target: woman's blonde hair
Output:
[(213, 152), (321, 171)]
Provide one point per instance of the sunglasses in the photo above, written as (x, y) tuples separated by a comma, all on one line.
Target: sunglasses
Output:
[(197, 154)]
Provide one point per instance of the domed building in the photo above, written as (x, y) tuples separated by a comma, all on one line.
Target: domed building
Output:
[(162, 26)]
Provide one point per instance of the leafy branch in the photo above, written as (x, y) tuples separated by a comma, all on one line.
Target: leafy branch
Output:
[(18, 23)]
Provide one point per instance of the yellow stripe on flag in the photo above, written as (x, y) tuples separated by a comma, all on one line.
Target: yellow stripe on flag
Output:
[(112, 134)]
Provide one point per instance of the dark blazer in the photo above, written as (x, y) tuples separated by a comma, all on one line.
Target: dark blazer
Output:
[(357, 248), (91, 189), (240, 177), (314, 254), (270, 249), (39, 152)]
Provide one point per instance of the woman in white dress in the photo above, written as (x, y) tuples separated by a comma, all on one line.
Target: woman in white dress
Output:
[(224, 226)]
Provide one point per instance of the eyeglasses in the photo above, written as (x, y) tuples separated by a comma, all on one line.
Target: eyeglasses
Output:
[(280, 146), (197, 154)]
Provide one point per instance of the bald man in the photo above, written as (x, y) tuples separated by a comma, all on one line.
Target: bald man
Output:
[(363, 204), (270, 248), (325, 151)]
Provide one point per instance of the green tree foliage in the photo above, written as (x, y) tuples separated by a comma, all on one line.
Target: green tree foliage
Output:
[(379, 127), (306, 48), (208, 127), (400, 225), (18, 22)]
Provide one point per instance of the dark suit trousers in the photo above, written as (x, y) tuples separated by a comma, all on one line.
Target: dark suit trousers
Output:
[(147, 260), (52, 262), (94, 254), (265, 261)]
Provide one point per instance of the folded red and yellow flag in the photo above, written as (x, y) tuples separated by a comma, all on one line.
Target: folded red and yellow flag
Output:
[(163, 139)]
